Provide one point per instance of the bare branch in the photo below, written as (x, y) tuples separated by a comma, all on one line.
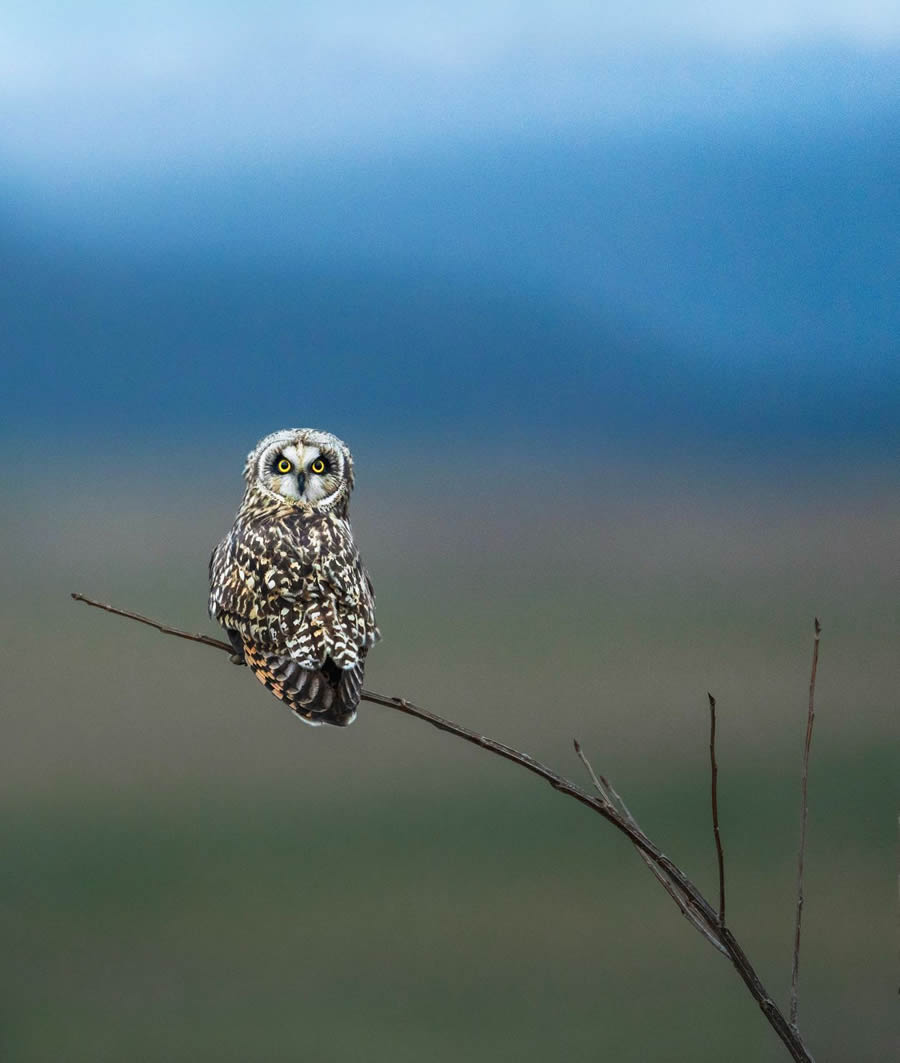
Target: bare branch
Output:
[(804, 815), (695, 900), (720, 856), (205, 640)]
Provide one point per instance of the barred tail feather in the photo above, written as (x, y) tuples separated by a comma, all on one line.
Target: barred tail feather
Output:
[(325, 695)]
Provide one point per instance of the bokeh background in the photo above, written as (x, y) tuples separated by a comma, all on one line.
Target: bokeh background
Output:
[(604, 299)]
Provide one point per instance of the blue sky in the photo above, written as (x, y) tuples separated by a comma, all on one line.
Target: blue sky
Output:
[(694, 206), (97, 86)]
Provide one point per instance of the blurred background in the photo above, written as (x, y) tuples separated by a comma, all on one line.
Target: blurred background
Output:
[(604, 300)]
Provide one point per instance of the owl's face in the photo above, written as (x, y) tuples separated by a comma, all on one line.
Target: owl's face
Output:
[(303, 467)]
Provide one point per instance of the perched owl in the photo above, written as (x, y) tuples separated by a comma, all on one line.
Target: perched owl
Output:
[(287, 582)]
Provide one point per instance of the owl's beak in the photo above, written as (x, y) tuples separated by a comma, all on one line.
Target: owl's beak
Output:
[(301, 482)]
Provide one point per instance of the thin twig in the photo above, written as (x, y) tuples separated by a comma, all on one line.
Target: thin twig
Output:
[(720, 856), (608, 792), (804, 815), (601, 787), (205, 640), (698, 903)]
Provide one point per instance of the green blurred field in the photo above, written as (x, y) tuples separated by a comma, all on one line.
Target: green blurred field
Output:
[(189, 874)]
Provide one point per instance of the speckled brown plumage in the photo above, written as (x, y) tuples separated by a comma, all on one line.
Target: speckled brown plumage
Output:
[(287, 582)]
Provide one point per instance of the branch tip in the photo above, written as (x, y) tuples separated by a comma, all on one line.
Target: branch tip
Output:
[(804, 816), (714, 800)]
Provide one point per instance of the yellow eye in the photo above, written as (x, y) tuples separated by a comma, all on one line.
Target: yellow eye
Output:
[(284, 465), (318, 467)]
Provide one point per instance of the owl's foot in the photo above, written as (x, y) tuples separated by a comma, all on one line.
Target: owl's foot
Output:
[(237, 644)]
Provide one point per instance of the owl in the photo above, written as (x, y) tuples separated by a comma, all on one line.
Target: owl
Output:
[(287, 583)]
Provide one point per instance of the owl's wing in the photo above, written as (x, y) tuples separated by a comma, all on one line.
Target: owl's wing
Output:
[(338, 620), (248, 571)]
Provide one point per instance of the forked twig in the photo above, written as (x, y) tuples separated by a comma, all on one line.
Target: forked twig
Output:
[(714, 772), (804, 815), (608, 792), (694, 899)]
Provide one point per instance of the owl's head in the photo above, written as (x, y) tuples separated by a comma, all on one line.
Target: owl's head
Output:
[(302, 467)]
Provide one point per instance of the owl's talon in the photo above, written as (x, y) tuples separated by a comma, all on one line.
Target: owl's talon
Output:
[(237, 644)]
